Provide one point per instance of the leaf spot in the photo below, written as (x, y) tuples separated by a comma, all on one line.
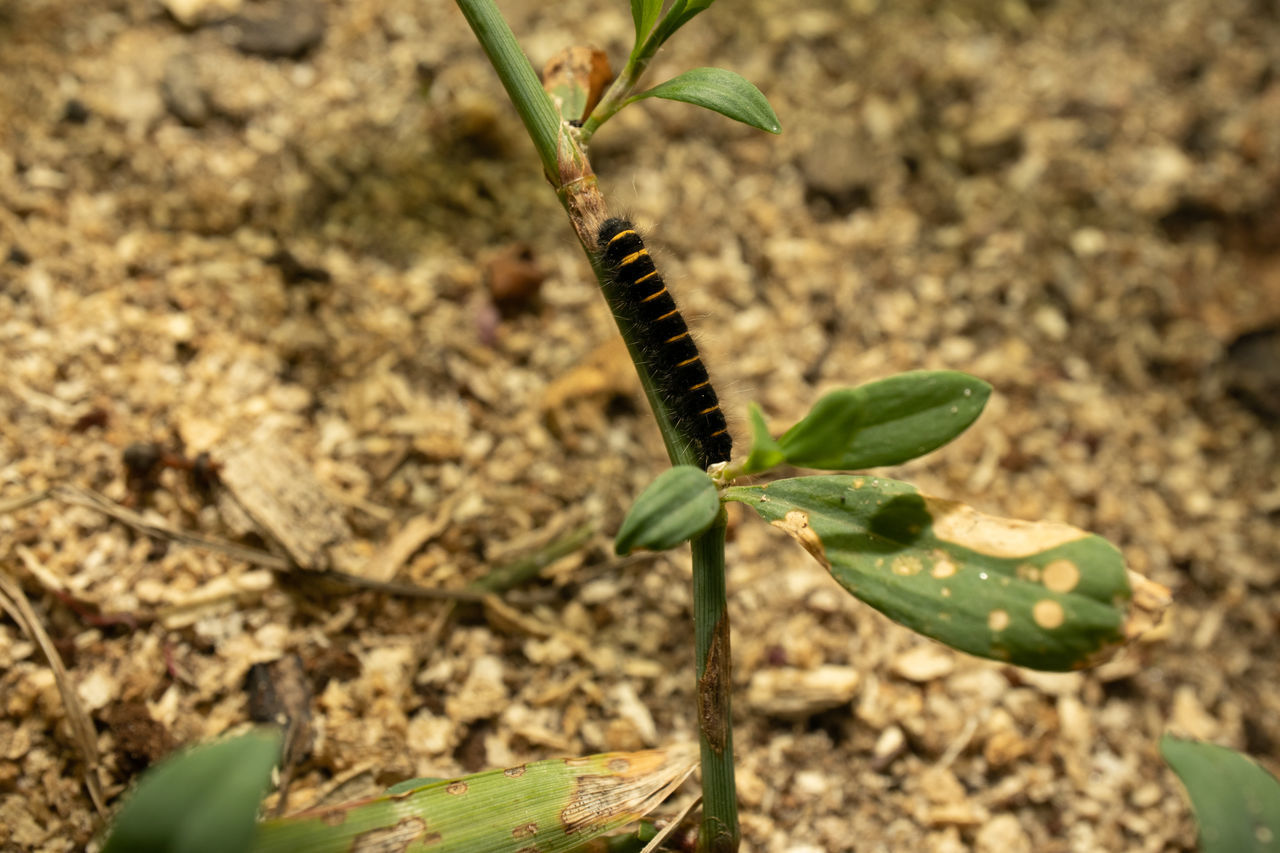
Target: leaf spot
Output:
[(619, 765), (1048, 613), (943, 567), (997, 537), (456, 788), (528, 830), (998, 620), (392, 838), (906, 565), (1028, 572), (1061, 576), (514, 772)]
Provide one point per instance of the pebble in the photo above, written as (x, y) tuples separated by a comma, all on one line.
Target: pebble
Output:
[(924, 663), (279, 30), (482, 695), (797, 693), (183, 94), (197, 13), (889, 745), (1002, 834)]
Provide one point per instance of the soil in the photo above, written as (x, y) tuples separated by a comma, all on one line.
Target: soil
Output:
[(312, 241)]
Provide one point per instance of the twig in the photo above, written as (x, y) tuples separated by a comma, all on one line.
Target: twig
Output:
[(83, 497), (15, 603)]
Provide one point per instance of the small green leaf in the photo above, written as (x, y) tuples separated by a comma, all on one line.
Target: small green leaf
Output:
[(1041, 595), (680, 13), (765, 452), (645, 14), (677, 506), (885, 422), (720, 91), (205, 799), (1236, 801)]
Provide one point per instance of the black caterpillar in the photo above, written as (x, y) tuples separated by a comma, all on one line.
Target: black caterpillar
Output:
[(641, 297)]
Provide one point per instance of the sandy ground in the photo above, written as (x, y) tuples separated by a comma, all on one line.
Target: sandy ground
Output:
[(304, 239)]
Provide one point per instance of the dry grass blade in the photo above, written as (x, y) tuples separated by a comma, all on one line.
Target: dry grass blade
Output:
[(15, 603), (92, 500), (671, 826)]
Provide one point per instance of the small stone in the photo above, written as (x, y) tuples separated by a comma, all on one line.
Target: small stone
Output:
[(75, 112), (197, 13), (514, 278), (182, 91), (1088, 242), (891, 743), (798, 693), (1002, 834), (923, 663), (839, 170), (97, 690), (1004, 744), (628, 707), (279, 30), (947, 841), (994, 142), (1189, 716), (941, 787), (811, 784), (1050, 322), (1146, 796), (482, 695)]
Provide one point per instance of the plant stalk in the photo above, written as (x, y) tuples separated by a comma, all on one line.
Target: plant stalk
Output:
[(518, 77), (720, 832), (570, 173)]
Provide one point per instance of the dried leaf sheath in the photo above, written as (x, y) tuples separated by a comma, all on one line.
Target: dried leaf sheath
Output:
[(550, 806)]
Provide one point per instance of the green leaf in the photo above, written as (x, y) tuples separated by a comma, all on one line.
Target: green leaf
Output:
[(721, 91), (765, 452), (885, 422), (1041, 595), (680, 13), (1236, 801), (551, 806), (412, 784), (645, 14), (204, 799), (681, 503)]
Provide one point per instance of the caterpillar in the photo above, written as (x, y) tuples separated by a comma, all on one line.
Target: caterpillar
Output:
[(641, 297)]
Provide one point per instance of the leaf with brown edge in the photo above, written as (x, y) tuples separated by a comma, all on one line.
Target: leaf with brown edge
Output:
[(575, 78), (552, 806), (1036, 594)]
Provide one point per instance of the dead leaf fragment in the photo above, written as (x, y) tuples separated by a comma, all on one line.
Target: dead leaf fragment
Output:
[(278, 490), (575, 78)]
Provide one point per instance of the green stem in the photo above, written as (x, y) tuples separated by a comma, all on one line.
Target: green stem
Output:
[(518, 77), (570, 174), (715, 726), (618, 94)]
